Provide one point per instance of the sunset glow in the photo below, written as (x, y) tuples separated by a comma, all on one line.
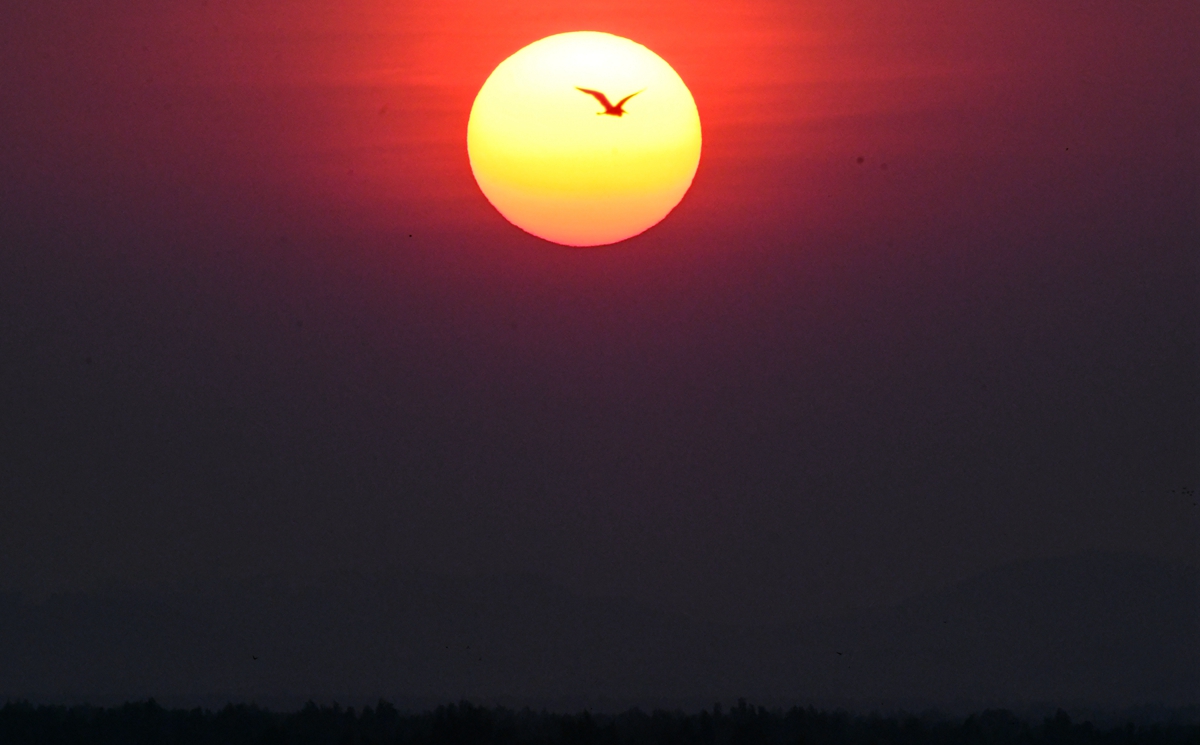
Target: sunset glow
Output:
[(550, 159), (891, 403)]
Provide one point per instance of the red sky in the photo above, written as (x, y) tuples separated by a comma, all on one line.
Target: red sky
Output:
[(224, 95), (987, 343)]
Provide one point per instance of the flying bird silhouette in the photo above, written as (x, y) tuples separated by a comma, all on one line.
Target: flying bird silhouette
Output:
[(609, 109)]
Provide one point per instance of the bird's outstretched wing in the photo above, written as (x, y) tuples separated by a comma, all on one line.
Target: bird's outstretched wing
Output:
[(599, 96), (623, 100)]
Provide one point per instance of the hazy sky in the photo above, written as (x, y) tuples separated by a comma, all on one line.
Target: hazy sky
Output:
[(929, 306)]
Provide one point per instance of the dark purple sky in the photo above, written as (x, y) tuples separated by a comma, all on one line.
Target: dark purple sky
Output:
[(256, 318)]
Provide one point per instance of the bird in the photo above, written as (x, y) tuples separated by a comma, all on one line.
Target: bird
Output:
[(608, 107)]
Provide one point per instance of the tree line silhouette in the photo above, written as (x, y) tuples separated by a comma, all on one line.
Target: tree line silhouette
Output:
[(147, 723)]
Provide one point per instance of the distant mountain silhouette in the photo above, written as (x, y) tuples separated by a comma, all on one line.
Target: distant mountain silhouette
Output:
[(1099, 629)]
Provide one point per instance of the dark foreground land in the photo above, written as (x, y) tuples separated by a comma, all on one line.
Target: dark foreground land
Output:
[(463, 724)]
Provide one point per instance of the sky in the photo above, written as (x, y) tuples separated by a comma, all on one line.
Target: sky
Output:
[(928, 307)]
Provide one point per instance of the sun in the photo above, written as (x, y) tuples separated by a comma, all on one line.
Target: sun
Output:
[(556, 149)]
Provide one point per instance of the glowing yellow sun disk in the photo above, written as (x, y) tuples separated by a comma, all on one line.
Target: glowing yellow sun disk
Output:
[(555, 165)]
